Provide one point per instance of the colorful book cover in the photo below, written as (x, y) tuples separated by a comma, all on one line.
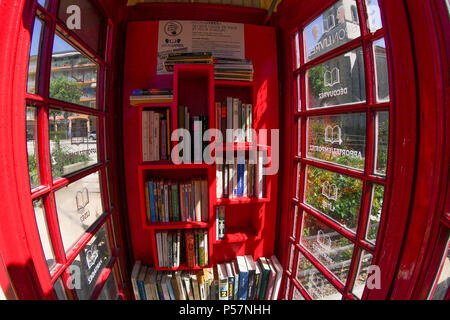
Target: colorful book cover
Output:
[(243, 277), (240, 177)]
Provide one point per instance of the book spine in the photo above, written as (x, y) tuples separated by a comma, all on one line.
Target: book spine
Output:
[(190, 250), (243, 285), (205, 201), (152, 201), (229, 138), (219, 181), (235, 118), (249, 124), (240, 178)]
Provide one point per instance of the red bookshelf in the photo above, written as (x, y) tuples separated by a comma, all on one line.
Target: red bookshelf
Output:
[(250, 222)]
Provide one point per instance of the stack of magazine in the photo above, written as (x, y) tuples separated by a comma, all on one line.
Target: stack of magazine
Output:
[(139, 96), (233, 69), (187, 58)]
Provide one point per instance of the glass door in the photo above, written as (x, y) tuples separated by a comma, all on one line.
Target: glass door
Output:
[(341, 141)]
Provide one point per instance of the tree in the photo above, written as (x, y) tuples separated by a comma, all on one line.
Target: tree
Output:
[(63, 89)]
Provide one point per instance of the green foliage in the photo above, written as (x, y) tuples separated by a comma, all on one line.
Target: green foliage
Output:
[(63, 89), (33, 170), (315, 79)]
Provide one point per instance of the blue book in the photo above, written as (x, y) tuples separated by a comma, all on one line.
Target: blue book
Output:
[(240, 178), (159, 286), (243, 277), (152, 201), (140, 283), (169, 286)]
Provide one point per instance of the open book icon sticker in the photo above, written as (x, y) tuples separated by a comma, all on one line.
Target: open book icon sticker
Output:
[(91, 256), (323, 240), (82, 198), (333, 134), (331, 77), (330, 191)]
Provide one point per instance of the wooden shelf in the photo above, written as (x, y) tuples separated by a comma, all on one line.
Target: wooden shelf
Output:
[(243, 200), (177, 225)]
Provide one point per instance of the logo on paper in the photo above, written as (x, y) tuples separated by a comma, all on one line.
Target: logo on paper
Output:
[(333, 135), (330, 191), (173, 28), (82, 198), (91, 256), (331, 77)]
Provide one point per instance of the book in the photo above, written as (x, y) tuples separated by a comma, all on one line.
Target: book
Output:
[(279, 270), (271, 281), (134, 277), (230, 281), (198, 200), (243, 277), (141, 284), (265, 273), (219, 181), (236, 279), (149, 293), (220, 222), (195, 287), (201, 284), (170, 288), (204, 201), (251, 276), (186, 281), (223, 281), (258, 276)]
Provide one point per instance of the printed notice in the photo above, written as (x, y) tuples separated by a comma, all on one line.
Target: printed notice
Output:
[(224, 40)]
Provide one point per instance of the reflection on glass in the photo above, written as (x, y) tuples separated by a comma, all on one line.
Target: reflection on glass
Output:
[(381, 145), (294, 224), (443, 282), (337, 82), (328, 246), (381, 70), (79, 205), (59, 289), (110, 290), (31, 133), (375, 212), (340, 139), (33, 65), (73, 76), (89, 264), (318, 287), (299, 94), (73, 141), (336, 195), (43, 2), (363, 272), (299, 144), (41, 221), (297, 295), (374, 15), (286, 292), (334, 27), (297, 185), (297, 50)]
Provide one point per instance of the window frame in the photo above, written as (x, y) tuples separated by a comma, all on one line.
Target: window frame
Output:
[(52, 25), (370, 107)]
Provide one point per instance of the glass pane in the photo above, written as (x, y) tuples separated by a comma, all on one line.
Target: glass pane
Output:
[(79, 205), (339, 139), (59, 289), (374, 14), (381, 70), (291, 258), (297, 185), (299, 93), (33, 161), (286, 292), (360, 281), (89, 264), (382, 143), (41, 221), (294, 223), (328, 246), (443, 282), (297, 50), (299, 139), (73, 142), (73, 77), (334, 27), (318, 287), (297, 295), (91, 25), (33, 63), (337, 82), (110, 289), (375, 212), (336, 195), (43, 3)]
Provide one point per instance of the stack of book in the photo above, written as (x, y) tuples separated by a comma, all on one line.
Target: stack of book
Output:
[(156, 135), (240, 279), (187, 58), (182, 247), (236, 115), (174, 201), (139, 96), (241, 179), (233, 69), (196, 125)]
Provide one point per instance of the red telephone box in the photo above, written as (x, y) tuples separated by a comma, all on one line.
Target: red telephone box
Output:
[(357, 89)]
